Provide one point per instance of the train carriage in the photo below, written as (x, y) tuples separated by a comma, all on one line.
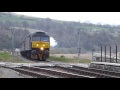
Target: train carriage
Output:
[(36, 46)]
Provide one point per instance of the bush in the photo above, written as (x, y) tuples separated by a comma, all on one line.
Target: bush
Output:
[(62, 56)]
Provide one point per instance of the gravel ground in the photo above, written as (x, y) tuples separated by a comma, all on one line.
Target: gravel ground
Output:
[(7, 73)]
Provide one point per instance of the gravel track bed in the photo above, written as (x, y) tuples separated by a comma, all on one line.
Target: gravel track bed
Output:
[(8, 73)]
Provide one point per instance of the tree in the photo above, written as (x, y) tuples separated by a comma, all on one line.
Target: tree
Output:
[(25, 24)]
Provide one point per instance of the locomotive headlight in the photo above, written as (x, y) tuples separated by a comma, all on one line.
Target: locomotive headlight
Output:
[(43, 44), (37, 44), (42, 48)]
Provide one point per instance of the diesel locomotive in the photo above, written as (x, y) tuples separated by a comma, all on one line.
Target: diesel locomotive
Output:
[(36, 46)]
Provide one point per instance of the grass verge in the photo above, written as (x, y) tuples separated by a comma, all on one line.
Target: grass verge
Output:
[(6, 57), (67, 60)]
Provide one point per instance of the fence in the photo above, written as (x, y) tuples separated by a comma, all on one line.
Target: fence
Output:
[(108, 54)]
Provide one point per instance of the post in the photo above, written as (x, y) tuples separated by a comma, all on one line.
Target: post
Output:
[(105, 53), (110, 54), (116, 53), (79, 45), (13, 43), (101, 53), (12, 31), (92, 53)]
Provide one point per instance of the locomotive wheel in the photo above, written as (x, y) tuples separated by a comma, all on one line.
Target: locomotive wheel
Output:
[(28, 55), (38, 57), (43, 58)]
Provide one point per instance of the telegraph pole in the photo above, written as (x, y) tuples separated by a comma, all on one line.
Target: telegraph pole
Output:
[(79, 48), (92, 53), (80, 30), (12, 31), (78, 45)]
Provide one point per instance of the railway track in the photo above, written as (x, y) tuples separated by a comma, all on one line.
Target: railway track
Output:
[(64, 72), (61, 71), (99, 73), (45, 73), (55, 73), (83, 71), (29, 73)]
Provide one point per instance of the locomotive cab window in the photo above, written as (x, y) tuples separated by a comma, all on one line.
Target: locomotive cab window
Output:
[(42, 38), (36, 38), (45, 39)]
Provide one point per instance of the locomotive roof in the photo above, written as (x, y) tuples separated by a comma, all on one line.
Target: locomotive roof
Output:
[(39, 33)]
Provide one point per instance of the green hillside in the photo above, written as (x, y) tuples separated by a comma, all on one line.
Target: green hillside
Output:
[(64, 32), (13, 17), (16, 18)]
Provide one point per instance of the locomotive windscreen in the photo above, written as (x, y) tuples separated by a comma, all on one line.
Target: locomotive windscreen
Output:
[(45, 39), (40, 38)]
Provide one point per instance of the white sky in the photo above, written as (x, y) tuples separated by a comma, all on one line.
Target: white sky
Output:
[(112, 18)]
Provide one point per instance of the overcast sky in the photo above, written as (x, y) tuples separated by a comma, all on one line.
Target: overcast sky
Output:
[(112, 18)]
